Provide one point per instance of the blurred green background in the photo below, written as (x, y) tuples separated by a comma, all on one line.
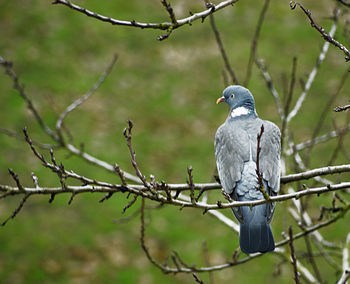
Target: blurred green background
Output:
[(168, 89)]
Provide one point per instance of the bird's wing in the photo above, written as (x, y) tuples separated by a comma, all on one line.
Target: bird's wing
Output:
[(269, 164), (270, 156), (231, 151)]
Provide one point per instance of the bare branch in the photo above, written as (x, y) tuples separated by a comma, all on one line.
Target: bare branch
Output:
[(255, 41), (197, 279), (261, 187), (98, 162), (142, 237), (311, 77), (260, 64), (20, 137), (340, 142), (346, 267), (130, 204), (341, 108), (294, 260), (191, 184), (16, 179), (220, 44), (328, 37), (170, 11), (127, 135), (16, 211), (207, 261), (316, 172), (95, 186), (288, 101), (324, 112), (86, 96), (304, 271), (160, 26), (7, 65), (8, 68), (317, 140)]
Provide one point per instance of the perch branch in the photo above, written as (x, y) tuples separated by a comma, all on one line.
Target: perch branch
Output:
[(95, 186)]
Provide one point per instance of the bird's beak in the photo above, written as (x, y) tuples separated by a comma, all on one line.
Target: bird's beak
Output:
[(220, 100)]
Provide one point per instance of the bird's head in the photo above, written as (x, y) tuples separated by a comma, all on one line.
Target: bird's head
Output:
[(239, 99)]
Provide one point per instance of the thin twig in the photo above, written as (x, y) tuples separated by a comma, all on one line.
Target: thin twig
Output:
[(312, 260), (16, 211), (317, 140), (142, 237), (260, 187), (288, 100), (20, 137), (170, 11), (255, 41), (207, 261), (120, 173), (20, 88), (95, 161), (129, 204), (220, 44), (261, 66), (197, 279), (311, 77), (339, 142), (324, 113), (16, 179), (328, 37), (294, 260), (127, 136), (79, 101), (191, 184)]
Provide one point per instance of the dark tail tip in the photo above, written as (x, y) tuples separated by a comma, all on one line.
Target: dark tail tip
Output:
[(256, 238)]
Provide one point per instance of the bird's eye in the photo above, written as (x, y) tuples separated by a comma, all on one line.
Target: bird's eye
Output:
[(232, 96)]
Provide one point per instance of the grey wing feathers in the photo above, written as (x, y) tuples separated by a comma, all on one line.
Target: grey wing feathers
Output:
[(270, 156), (230, 156), (270, 162)]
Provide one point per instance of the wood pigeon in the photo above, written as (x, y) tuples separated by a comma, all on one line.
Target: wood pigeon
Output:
[(236, 156)]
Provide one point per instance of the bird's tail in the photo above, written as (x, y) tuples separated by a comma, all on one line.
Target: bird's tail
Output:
[(255, 233)]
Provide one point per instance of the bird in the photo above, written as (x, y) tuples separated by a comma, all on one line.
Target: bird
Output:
[(236, 151)]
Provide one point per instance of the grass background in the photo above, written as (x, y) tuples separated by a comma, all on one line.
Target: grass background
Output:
[(169, 90)]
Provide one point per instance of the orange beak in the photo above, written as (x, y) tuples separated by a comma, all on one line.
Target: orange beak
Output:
[(220, 100)]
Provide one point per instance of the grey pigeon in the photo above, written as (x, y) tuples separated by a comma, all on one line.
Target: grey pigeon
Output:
[(236, 151)]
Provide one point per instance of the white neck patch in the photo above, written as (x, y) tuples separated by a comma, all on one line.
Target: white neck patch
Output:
[(239, 111)]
